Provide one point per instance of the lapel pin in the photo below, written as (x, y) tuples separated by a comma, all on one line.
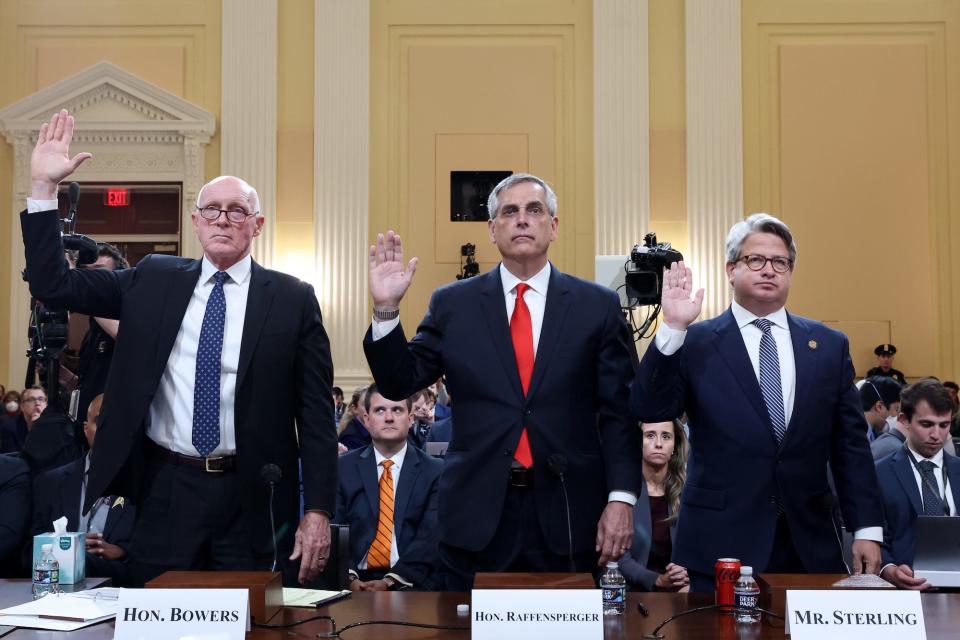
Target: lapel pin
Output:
[(812, 344), (118, 502)]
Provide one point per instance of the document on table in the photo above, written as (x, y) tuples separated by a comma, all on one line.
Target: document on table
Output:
[(63, 611), (310, 598)]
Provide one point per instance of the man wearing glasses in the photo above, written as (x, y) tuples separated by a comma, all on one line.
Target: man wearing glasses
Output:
[(221, 368), (771, 402)]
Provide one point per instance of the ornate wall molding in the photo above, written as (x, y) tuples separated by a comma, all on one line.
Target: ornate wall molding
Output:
[(136, 131), (621, 124), (714, 141), (248, 118), (341, 166)]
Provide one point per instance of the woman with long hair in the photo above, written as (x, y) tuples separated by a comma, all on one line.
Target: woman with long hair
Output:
[(647, 565)]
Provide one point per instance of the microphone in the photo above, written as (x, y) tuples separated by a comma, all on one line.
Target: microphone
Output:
[(271, 474), (829, 502), (74, 195), (557, 462)]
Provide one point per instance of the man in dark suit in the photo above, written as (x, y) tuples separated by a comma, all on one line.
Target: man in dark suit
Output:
[(518, 346), (389, 478), (220, 368), (919, 478), (770, 401), (14, 514), (109, 524)]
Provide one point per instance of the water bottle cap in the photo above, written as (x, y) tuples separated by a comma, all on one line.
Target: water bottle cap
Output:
[(746, 571), (46, 548), (613, 565)]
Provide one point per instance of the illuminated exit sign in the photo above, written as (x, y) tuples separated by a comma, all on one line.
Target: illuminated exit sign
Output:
[(117, 197)]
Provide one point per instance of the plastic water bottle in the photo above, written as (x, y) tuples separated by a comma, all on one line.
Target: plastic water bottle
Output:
[(46, 573), (614, 590), (745, 595)]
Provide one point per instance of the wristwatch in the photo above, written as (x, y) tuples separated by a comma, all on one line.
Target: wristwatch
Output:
[(385, 313)]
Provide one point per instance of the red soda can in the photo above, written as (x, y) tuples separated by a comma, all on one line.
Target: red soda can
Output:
[(727, 572)]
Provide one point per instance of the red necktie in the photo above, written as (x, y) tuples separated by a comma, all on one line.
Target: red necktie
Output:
[(521, 331)]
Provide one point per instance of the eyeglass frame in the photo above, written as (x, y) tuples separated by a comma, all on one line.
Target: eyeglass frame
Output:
[(226, 212), (773, 262), (34, 400)]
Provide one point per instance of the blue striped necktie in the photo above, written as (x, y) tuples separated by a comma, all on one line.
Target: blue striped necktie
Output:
[(770, 379), (206, 388)]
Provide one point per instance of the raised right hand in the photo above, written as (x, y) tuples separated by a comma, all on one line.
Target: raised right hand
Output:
[(389, 276), (679, 307), (51, 161)]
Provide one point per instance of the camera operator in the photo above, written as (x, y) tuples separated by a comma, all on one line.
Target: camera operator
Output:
[(96, 350)]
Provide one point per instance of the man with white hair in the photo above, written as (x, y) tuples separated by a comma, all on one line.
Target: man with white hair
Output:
[(221, 378), (771, 402)]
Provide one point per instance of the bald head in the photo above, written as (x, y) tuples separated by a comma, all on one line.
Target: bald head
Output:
[(249, 193), (233, 220)]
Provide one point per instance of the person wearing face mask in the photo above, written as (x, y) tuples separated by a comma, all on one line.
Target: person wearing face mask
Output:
[(647, 566), (31, 404), (13, 429)]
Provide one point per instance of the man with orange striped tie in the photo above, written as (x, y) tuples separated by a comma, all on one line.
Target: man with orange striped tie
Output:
[(387, 493), (543, 465)]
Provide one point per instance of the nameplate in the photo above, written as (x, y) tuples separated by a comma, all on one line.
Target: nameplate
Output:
[(520, 614), (161, 614), (855, 615)]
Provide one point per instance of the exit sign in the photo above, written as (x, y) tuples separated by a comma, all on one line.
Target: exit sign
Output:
[(117, 197)]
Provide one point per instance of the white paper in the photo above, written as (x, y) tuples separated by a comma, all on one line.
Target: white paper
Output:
[(521, 614), (307, 598), (855, 615)]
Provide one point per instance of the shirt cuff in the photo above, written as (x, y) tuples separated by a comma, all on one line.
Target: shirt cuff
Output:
[(668, 341), (869, 533), (380, 328), (399, 579), (623, 496), (35, 206)]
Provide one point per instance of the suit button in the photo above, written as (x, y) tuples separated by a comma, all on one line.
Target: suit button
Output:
[(527, 412), (773, 499)]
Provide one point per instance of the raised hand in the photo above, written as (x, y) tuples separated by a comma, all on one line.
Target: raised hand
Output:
[(51, 161), (679, 307), (389, 276)]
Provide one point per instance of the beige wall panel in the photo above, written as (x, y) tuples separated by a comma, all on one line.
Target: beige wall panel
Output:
[(849, 137), (445, 77), (855, 183), (161, 65)]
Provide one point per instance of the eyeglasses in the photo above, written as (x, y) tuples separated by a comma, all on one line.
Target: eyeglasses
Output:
[(757, 263), (33, 401), (233, 215)]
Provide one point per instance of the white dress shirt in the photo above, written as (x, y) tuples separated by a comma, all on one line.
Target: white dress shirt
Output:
[(536, 299), (170, 419), (943, 483), (668, 341)]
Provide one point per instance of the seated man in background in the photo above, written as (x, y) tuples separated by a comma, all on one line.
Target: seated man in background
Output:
[(14, 514), (51, 440), (919, 479), (424, 403), (109, 524), (880, 399), (388, 495)]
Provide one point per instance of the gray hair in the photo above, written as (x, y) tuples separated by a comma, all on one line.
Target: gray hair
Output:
[(252, 196), (493, 202), (758, 223)]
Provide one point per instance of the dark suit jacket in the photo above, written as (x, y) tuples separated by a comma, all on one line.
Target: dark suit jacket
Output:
[(576, 405), (414, 512), (737, 474), (441, 431), (633, 564), (441, 411), (13, 433), (284, 409), (14, 513), (56, 493), (902, 502), (354, 435)]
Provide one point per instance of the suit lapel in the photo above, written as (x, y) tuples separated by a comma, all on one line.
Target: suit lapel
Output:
[(404, 490), (904, 472), (554, 313), (495, 313), (259, 297), (729, 343), (182, 282), (804, 365), (367, 466), (953, 476)]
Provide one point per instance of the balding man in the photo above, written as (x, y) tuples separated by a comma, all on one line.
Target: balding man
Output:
[(221, 368)]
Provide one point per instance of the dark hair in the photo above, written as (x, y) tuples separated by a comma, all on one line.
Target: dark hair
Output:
[(882, 388), (930, 390), (35, 387), (107, 249), (337, 391), (950, 384), (425, 393), (372, 389)]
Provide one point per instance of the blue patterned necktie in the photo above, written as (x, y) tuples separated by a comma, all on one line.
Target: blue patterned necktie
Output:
[(770, 379), (932, 503), (206, 387)]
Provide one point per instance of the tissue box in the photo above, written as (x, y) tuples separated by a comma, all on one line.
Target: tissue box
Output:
[(70, 550)]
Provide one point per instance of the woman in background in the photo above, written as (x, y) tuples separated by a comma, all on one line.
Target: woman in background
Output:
[(647, 565)]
